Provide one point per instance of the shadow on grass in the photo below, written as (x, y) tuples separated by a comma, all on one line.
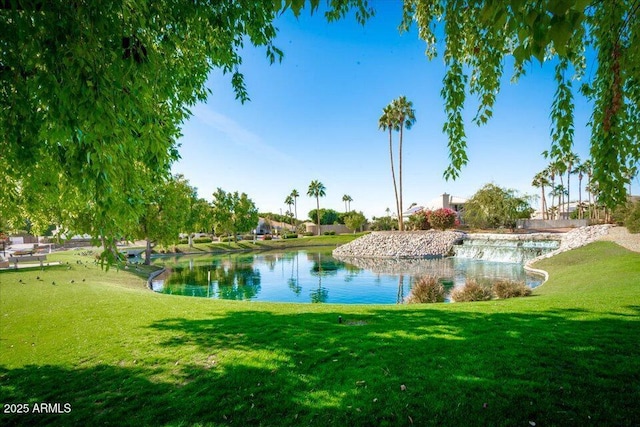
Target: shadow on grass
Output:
[(382, 367)]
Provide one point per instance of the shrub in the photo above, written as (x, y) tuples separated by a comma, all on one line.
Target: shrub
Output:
[(329, 233), (267, 237), (226, 239), (419, 220), (443, 218), (290, 236), (471, 291), (203, 240), (510, 289), (308, 233), (426, 290), (632, 220)]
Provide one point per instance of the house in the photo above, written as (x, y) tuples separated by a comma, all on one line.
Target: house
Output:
[(444, 201), (270, 226)]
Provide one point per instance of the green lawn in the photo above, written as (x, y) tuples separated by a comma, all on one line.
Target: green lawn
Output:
[(122, 355)]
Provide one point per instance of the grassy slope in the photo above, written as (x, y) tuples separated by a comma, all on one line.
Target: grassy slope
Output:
[(249, 245), (119, 354)]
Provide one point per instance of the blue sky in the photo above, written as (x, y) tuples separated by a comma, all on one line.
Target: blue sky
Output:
[(315, 116)]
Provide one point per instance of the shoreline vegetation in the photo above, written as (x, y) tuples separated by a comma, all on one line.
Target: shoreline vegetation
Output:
[(257, 245)]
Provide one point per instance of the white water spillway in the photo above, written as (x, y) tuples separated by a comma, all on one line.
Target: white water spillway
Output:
[(518, 248)]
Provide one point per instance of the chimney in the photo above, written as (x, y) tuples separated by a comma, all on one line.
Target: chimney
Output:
[(445, 200)]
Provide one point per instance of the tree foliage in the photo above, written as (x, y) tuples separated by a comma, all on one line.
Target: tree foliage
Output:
[(478, 35), (233, 213), (493, 207), (355, 220), (397, 116), (317, 189), (327, 216), (93, 94), (164, 216), (384, 223), (419, 221)]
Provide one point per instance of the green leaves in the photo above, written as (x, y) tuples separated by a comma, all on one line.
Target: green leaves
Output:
[(233, 213), (479, 35)]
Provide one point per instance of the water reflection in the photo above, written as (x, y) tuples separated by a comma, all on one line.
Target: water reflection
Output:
[(315, 276), (233, 278)]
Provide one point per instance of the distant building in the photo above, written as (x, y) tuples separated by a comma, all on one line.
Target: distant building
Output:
[(444, 201), (270, 226)]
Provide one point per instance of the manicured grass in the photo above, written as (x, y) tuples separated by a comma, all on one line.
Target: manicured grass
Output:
[(249, 245), (121, 355)]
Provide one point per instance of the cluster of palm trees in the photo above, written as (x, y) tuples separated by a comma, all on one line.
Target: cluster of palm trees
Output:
[(316, 189), (552, 178), (397, 116), (292, 200), (347, 202)]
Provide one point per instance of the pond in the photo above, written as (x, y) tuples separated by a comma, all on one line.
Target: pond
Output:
[(315, 276)]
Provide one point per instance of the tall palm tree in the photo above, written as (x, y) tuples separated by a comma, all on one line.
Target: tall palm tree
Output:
[(540, 181), (588, 165), (387, 122), (558, 191), (581, 170), (347, 199), (406, 117), (553, 172), (289, 202), (569, 159), (397, 116), (295, 195), (317, 190)]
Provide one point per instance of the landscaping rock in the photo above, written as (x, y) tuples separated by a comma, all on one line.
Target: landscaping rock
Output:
[(408, 244)]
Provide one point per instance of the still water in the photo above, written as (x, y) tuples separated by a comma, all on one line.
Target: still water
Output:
[(317, 277)]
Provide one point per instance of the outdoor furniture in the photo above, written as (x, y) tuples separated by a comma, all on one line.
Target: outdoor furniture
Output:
[(27, 258)]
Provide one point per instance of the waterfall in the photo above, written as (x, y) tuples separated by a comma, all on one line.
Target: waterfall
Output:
[(507, 247)]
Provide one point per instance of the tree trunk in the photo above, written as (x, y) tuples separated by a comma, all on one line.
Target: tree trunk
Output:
[(580, 213), (400, 209), (318, 212), (561, 199), (393, 172), (553, 194), (147, 253), (568, 190), (545, 214)]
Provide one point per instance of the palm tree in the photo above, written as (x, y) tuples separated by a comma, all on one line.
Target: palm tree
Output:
[(397, 116), (289, 202), (559, 191), (581, 170), (317, 190), (540, 181), (387, 122), (569, 160), (347, 199), (295, 195), (554, 171), (406, 117)]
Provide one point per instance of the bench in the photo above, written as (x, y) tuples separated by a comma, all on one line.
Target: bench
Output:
[(22, 252), (27, 258)]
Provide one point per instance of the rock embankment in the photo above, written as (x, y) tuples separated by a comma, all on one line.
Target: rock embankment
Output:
[(390, 244), (571, 240)]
